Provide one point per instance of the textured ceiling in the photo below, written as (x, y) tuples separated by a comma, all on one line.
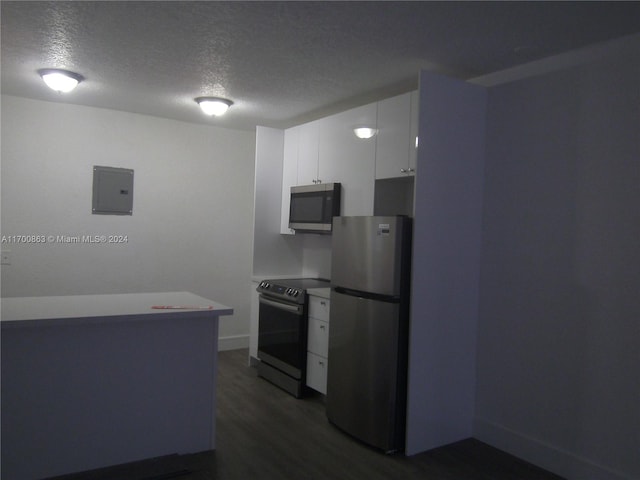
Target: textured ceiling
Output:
[(281, 62)]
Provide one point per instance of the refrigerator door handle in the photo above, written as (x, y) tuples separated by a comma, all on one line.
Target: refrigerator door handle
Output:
[(367, 295)]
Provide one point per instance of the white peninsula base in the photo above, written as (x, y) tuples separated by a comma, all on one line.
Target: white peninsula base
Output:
[(96, 380)]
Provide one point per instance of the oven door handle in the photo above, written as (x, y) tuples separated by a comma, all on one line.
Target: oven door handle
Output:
[(297, 309)]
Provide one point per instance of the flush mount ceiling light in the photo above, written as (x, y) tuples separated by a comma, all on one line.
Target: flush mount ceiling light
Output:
[(365, 132), (214, 105), (62, 81)]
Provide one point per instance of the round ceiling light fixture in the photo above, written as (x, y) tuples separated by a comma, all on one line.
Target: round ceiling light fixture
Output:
[(365, 132), (215, 106), (62, 81)]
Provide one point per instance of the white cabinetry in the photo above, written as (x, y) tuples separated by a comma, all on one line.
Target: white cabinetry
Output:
[(289, 174), (318, 343), (308, 168), (396, 139), (299, 164), (326, 151), (348, 159), (413, 129)]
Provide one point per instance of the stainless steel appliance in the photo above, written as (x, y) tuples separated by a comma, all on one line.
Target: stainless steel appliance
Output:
[(282, 331), (367, 368), (312, 207)]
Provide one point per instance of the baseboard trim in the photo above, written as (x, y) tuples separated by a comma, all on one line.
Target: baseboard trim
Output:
[(549, 457), (233, 342), (253, 361)]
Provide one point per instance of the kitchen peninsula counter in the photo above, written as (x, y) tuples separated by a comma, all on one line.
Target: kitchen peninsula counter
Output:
[(95, 380)]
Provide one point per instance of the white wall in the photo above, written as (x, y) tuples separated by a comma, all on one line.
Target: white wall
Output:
[(446, 263), (191, 226), (559, 331), (317, 255), (273, 254)]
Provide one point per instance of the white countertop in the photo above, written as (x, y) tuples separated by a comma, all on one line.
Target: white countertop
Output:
[(324, 292), (23, 311)]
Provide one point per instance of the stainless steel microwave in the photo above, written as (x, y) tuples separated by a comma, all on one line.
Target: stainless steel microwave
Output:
[(313, 207)]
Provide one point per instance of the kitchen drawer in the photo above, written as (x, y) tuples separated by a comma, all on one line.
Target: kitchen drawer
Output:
[(318, 337), (317, 372), (319, 308)]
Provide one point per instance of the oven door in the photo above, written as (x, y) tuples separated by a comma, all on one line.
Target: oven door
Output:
[(282, 336)]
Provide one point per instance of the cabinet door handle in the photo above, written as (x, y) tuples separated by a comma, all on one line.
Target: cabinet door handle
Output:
[(323, 303), (403, 170), (322, 327)]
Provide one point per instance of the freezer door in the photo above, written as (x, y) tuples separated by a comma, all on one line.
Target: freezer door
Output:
[(364, 385), (367, 252)]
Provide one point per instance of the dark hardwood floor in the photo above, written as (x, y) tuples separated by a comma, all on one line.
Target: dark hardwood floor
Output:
[(264, 433)]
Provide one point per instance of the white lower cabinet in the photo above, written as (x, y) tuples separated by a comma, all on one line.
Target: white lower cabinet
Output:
[(318, 343), (317, 372), (318, 337)]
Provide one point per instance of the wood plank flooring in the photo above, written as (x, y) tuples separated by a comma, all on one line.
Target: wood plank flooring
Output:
[(264, 433)]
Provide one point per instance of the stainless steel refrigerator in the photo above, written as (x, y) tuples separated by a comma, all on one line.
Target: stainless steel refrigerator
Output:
[(368, 328)]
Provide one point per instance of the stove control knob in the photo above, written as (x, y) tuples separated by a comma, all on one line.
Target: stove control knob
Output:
[(295, 293)]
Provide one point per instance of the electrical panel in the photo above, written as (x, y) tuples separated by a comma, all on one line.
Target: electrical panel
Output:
[(112, 191)]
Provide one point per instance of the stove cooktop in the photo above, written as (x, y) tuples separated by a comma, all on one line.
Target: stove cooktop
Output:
[(291, 289)]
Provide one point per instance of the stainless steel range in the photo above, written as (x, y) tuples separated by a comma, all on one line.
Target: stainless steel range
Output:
[(282, 331)]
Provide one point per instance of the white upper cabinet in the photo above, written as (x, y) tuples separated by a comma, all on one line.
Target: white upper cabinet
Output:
[(289, 174), (327, 151), (397, 130), (309, 134), (348, 159), (413, 131), (299, 165)]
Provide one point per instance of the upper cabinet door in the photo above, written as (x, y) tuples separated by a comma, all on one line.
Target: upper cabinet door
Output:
[(327, 150), (395, 154), (392, 153), (308, 153), (289, 174), (348, 159), (413, 131)]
